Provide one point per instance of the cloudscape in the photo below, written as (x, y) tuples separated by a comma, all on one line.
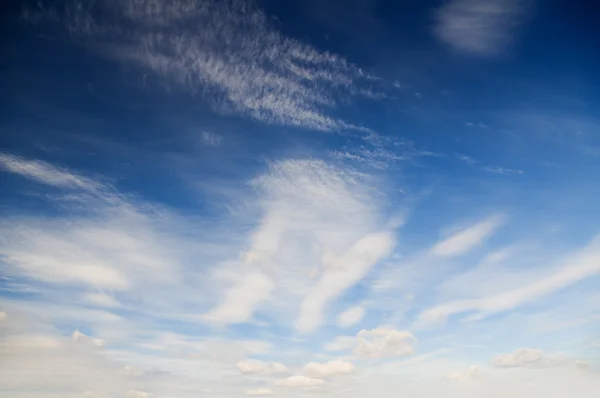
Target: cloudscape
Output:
[(361, 198)]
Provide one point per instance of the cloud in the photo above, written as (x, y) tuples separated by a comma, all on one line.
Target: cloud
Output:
[(479, 27), (376, 343), (317, 223), (46, 173), (84, 339), (574, 268), (328, 369), (344, 272), (211, 139), (256, 366), (341, 343), (382, 152), (228, 51), (240, 301), (299, 381), (463, 241), (384, 342), (260, 392), (528, 357), (102, 300), (503, 170), (350, 317), (472, 373)]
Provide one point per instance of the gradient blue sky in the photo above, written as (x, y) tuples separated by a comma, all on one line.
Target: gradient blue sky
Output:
[(205, 198)]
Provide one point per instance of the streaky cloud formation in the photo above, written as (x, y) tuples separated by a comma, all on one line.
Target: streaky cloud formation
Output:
[(227, 51), (206, 198)]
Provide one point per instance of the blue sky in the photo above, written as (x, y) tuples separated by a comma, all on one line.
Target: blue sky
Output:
[(305, 198)]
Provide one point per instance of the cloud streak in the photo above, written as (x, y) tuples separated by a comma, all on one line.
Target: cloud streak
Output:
[(226, 50), (479, 27)]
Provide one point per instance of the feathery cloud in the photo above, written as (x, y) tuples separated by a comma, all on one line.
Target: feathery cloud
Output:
[(226, 50)]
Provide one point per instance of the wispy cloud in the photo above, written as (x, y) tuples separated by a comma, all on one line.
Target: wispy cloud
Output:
[(47, 174), (574, 268), (323, 223), (227, 50), (480, 27)]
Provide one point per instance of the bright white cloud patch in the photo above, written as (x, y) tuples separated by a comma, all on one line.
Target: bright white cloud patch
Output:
[(463, 241), (376, 343), (299, 381), (350, 317), (328, 369), (528, 357)]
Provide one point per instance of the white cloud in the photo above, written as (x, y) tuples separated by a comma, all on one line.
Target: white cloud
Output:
[(256, 366), (82, 338), (480, 27), (528, 357), (384, 342), (240, 301), (463, 241), (299, 381), (228, 51), (328, 369), (102, 300), (350, 317), (344, 272), (46, 173), (574, 268), (317, 223), (472, 373), (3, 315), (260, 392), (376, 343)]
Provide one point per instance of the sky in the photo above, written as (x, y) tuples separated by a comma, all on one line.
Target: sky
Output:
[(359, 198)]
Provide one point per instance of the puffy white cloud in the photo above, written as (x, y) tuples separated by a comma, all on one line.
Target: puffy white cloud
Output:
[(256, 366), (384, 342), (528, 357), (299, 381), (376, 343), (463, 241), (480, 27), (260, 392), (328, 369), (350, 317)]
